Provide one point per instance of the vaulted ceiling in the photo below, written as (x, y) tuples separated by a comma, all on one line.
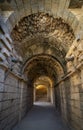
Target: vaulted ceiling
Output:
[(41, 33), (43, 65), (44, 29)]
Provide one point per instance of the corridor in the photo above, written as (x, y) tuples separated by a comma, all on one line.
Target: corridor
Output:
[(41, 61), (42, 117)]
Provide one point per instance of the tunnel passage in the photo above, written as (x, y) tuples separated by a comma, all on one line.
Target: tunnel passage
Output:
[(41, 33), (40, 93), (41, 42), (43, 71), (43, 90)]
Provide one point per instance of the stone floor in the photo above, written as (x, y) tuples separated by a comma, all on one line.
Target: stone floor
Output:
[(42, 117)]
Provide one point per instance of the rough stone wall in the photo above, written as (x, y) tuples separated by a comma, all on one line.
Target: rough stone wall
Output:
[(9, 113), (16, 96), (27, 99), (58, 8), (70, 101), (69, 91), (5, 43), (76, 103), (15, 100)]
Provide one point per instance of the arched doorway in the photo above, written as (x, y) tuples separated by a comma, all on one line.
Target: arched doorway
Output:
[(41, 93), (43, 89)]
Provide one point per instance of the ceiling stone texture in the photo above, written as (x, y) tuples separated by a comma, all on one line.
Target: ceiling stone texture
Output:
[(43, 65), (42, 33), (23, 8), (42, 27)]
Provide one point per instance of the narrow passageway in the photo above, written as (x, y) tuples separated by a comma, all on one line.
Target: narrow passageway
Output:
[(42, 117), (41, 61)]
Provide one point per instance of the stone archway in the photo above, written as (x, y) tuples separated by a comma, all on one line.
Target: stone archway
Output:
[(47, 41), (43, 70)]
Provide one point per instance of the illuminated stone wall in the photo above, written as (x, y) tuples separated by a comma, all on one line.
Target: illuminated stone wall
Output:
[(16, 93), (16, 99), (68, 92)]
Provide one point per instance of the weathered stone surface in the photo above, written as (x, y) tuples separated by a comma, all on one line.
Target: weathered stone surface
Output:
[(40, 23), (43, 40), (13, 101), (35, 29)]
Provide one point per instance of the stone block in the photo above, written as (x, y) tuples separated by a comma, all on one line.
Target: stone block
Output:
[(27, 7), (7, 121), (19, 4), (75, 96), (6, 104), (14, 80), (34, 2), (5, 52), (61, 7), (4, 41), (34, 8), (4, 27), (0, 106), (54, 9), (48, 5), (12, 19), (71, 18), (75, 24), (67, 4), (1, 96), (81, 96), (2, 75), (8, 37), (2, 58), (1, 87), (41, 5), (66, 15), (9, 25), (16, 16)]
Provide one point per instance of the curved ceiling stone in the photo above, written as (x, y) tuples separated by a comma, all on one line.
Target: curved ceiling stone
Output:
[(44, 24), (43, 80), (43, 65), (41, 45), (22, 8), (43, 30)]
